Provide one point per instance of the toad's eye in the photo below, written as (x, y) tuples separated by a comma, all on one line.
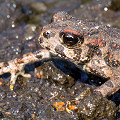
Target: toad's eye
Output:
[(46, 34), (69, 39)]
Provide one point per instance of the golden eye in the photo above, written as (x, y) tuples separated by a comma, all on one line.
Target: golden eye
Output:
[(69, 38)]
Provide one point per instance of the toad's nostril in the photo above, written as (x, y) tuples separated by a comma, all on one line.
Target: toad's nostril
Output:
[(41, 40), (46, 34)]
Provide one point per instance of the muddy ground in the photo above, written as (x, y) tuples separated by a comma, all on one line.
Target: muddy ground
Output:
[(40, 97)]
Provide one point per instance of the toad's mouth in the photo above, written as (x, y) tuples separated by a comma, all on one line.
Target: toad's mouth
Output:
[(48, 48), (59, 54)]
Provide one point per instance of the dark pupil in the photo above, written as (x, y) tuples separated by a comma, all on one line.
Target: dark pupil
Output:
[(70, 39)]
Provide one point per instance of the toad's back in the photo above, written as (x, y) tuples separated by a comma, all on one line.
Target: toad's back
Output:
[(95, 48)]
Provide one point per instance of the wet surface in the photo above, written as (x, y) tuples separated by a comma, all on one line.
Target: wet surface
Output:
[(20, 25)]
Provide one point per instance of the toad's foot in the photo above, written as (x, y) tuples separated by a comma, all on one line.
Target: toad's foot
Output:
[(91, 106), (15, 75), (16, 66), (106, 89)]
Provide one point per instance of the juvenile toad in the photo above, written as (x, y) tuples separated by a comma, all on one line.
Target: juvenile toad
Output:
[(94, 48)]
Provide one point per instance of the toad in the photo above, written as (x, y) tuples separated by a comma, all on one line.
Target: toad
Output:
[(94, 48)]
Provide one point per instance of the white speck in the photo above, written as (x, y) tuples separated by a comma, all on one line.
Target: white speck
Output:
[(105, 9), (17, 37), (79, 22), (13, 25), (84, 28), (90, 105), (8, 16), (17, 49), (50, 68), (29, 38), (17, 111), (84, 67), (16, 53), (83, 108), (14, 95), (33, 28), (60, 88), (96, 27), (14, 5), (59, 76), (108, 25)]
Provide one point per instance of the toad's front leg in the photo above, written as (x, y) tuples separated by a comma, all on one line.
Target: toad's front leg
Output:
[(101, 69), (109, 87), (16, 66)]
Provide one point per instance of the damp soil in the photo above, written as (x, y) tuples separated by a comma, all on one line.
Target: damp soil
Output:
[(45, 95)]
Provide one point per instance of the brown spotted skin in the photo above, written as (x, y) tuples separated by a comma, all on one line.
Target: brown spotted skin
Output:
[(93, 47)]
